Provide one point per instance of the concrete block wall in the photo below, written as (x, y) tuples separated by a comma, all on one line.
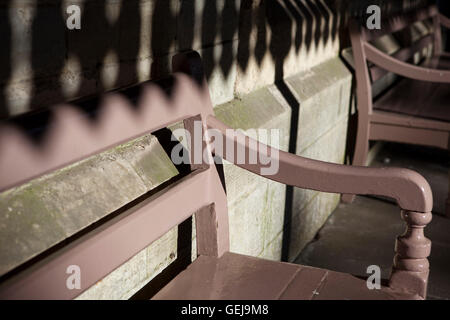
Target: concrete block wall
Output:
[(269, 64)]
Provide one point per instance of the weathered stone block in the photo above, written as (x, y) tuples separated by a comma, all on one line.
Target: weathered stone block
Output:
[(310, 82), (247, 221), (272, 250), (256, 218), (259, 110), (324, 98)]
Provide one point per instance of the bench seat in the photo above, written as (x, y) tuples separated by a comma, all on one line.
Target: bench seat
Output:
[(417, 98), (239, 277)]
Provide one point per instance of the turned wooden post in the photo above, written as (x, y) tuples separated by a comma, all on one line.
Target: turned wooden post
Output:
[(411, 267)]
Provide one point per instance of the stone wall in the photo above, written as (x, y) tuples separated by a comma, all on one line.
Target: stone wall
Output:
[(269, 64)]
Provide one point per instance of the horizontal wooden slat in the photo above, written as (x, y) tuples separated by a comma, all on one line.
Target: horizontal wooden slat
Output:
[(405, 120), (408, 70), (403, 54), (420, 136), (71, 136)]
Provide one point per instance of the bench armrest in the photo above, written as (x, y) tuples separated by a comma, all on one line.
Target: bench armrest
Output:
[(411, 190), (408, 70), (444, 21)]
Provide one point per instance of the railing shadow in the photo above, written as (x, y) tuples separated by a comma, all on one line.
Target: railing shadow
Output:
[(43, 63), (110, 54)]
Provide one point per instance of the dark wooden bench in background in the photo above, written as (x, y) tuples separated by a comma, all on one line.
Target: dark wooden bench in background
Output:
[(216, 273), (416, 109)]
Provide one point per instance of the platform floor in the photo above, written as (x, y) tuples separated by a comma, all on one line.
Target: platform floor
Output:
[(361, 234)]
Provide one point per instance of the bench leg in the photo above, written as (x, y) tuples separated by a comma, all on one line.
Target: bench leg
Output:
[(411, 267), (361, 150)]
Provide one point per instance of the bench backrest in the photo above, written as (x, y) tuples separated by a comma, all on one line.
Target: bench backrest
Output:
[(71, 137), (368, 72)]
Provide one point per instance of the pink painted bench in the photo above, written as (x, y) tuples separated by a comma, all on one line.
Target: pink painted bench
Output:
[(217, 273), (416, 109)]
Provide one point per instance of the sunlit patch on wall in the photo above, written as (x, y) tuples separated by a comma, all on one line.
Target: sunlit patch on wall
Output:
[(70, 77), (110, 70), (112, 11), (19, 88)]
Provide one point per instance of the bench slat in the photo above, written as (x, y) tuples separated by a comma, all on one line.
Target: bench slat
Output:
[(405, 69), (72, 137), (405, 120), (403, 54)]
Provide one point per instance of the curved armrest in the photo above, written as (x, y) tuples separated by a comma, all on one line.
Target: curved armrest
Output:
[(408, 70), (444, 21), (410, 189)]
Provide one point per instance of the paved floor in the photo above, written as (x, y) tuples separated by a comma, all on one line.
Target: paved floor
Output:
[(362, 233)]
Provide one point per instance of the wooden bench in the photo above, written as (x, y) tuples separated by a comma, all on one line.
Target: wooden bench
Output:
[(216, 273), (416, 109)]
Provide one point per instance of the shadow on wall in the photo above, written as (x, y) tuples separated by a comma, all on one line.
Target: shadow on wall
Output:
[(122, 43), (444, 8)]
